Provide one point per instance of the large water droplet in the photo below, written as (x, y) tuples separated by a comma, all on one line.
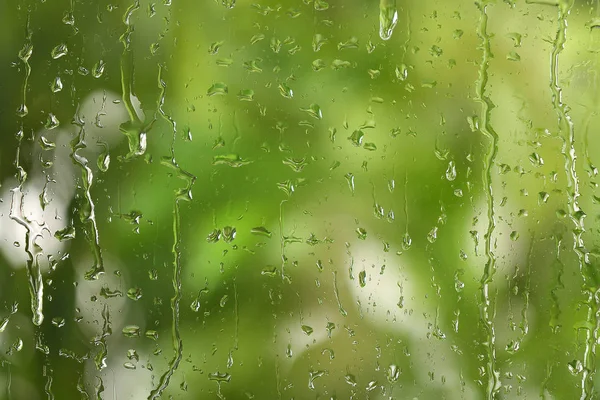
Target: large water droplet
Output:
[(388, 18)]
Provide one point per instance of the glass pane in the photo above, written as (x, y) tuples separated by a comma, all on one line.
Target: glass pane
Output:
[(303, 199)]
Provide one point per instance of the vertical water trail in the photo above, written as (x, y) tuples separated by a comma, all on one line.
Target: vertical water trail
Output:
[(182, 194), (486, 309), (282, 238), (34, 274), (88, 215), (132, 129), (16, 213), (576, 214), (343, 312)]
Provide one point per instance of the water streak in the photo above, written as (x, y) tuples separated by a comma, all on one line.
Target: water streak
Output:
[(182, 194), (486, 309), (576, 214)]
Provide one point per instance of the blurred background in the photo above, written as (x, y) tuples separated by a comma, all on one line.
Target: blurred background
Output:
[(303, 199)]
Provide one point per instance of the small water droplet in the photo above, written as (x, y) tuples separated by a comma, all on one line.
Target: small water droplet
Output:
[(318, 65), (57, 85), (52, 122), (321, 5), (131, 331), (229, 233), (286, 91), (219, 376), (214, 47), (246, 95), (357, 137), (228, 3), (232, 160), (451, 171), (406, 241), (22, 110), (393, 373), (134, 293), (362, 278), (261, 231), (307, 330), (318, 41), (350, 379), (98, 69), (314, 111), (351, 43), (59, 51), (218, 88), (361, 233)]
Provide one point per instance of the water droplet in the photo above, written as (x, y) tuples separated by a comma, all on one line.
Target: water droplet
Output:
[(350, 379), (229, 233), (314, 111), (406, 241), (436, 51), (393, 373), (318, 41), (214, 48), (218, 88), (513, 56), (401, 72), (286, 91), (307, 330), (57, 85), (223, 301), (26, 52), (51, 122), (22, 110), (361, 233), (129, 365), (388, 18), (59, 51), (318, 65), (228, 3), (98, 69), (338, 64), (219, 376), (232, 160), (575, 367), (321, 5), (103, 161), (257, 38), (451, 171), (246, 95), (297, 164), (58, 322), (131, 331), (432, 235), (46, 144), (65, 234), (362, 278), (252, 65), (275, 45), (351, 43), (261, 231), (134, 293), (357, 137)]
